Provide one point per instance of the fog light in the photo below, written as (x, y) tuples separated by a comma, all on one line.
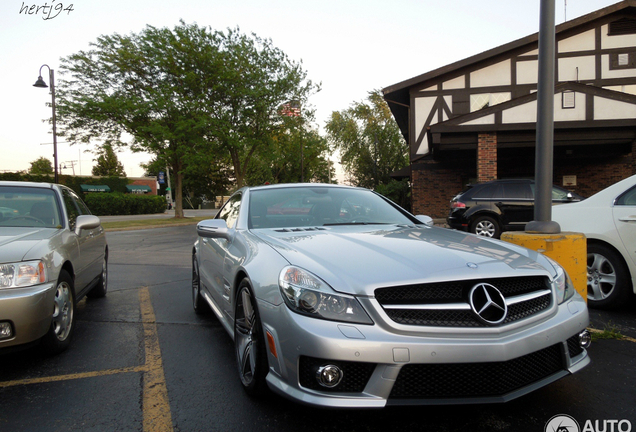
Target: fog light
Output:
[(6, 331), (585, 339), (329, 376)]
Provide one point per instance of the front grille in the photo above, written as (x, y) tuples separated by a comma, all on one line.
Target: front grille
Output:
[(473, 380), (354, 378), (430, 304)]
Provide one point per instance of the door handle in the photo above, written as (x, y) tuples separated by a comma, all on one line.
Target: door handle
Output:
[(628, 219)]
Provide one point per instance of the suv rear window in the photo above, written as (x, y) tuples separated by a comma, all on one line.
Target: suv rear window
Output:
[(513, 191), (483, 191)]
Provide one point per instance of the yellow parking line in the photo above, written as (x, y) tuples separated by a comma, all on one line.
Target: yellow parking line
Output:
[(156, 407), (72, 376)]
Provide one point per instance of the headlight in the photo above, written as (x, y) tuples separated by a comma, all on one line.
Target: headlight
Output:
[(562, 283), (306, 294), (22, 274)]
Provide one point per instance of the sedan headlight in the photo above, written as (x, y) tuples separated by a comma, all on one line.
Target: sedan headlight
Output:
[(562, 283), (22, 274), (306, 294)]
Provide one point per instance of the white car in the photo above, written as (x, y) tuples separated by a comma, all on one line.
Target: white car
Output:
[(608, 220)]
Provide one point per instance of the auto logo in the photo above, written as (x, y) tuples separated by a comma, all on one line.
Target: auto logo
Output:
[(488, 304)]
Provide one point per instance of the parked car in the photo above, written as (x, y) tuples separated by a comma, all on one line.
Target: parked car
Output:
[(608, 220), (488, 209), (53, 252), (368, 307)]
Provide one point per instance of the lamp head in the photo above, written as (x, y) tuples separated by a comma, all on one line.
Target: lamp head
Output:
[(40, 83)]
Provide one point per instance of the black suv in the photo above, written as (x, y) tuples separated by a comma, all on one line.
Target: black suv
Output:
[(489, 208)]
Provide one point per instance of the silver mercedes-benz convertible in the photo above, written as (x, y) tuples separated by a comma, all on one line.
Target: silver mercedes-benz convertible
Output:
[(335, 296)]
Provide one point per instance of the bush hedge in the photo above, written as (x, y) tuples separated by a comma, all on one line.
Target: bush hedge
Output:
[(106, 204)]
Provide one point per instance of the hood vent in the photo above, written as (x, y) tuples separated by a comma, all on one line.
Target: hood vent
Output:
[(286, 230)]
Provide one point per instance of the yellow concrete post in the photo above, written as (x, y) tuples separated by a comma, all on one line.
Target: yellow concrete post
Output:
[(567, 248)]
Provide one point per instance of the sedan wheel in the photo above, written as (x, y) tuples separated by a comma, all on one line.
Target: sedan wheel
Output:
[(607, 278), (485, 226), (248, 340), (59, 335), (101, 288)]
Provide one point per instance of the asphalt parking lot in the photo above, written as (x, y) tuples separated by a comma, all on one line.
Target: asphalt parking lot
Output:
[(141, 360)]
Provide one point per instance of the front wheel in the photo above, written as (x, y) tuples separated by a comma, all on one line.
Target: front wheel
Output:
[(199, 304), (608, 282), (485, 226), (59, 335), (101, 288), (249, 342)]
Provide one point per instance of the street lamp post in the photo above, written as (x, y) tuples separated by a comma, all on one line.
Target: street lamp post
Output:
[(41, 84)]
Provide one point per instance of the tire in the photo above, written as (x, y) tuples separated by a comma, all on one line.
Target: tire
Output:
[(100, 290), (608, 281), (59, 336), (249, 342), (485, 226), (199, 304)]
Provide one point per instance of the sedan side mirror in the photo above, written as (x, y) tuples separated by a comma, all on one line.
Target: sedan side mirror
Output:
[(213, 228), (426, 220), (86, 222), (569, 196)]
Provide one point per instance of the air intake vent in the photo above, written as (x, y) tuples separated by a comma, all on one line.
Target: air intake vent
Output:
[(622, 27)]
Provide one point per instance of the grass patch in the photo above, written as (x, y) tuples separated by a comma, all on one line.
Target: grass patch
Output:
[(151, 223), (609, 332)]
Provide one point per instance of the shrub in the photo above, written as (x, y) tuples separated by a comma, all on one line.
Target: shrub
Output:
[(106, 204)]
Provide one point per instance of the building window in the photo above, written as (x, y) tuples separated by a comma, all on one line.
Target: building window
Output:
[(568, 99), (622, 26), (485, 100), (626, 60)]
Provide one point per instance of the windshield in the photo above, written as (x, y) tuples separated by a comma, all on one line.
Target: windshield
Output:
[(28, 207), (320, 206)]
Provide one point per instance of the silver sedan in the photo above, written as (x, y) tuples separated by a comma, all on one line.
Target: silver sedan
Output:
[(53, 252), (350, 301)]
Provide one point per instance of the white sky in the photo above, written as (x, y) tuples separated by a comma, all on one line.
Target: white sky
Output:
[(351, 46)]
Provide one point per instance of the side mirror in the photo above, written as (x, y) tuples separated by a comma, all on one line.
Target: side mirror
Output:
[(213, 228), (569, 196), (86, 222), (426, 220)]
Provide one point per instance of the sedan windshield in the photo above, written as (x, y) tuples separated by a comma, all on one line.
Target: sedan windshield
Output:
[(28, 207), (299, 207)]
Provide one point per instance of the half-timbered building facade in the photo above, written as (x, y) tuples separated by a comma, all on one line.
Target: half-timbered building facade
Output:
[(475, 120)]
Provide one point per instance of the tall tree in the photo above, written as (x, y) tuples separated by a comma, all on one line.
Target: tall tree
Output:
[(180, 94), (298, 153), (41, 165), (107, 163), (370, 143)]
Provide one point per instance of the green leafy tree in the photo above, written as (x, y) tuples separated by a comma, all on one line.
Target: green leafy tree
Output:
[(298, 153), (371, 145), (41, 166), (107, 163), (180, 94)]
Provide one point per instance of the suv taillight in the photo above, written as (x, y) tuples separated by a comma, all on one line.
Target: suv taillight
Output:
[(457, 204)]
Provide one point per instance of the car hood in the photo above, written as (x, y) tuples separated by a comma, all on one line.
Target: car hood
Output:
[(16, 242), (359, 259)]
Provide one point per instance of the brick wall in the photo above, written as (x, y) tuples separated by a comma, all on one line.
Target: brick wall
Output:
[(434, 185), (146, 181), (486, 157)]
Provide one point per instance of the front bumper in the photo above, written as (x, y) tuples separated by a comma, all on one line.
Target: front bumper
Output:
[(379, 355), (28, 311)]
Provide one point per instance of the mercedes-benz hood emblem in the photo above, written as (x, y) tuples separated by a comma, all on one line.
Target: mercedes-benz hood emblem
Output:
[(488, 304)]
